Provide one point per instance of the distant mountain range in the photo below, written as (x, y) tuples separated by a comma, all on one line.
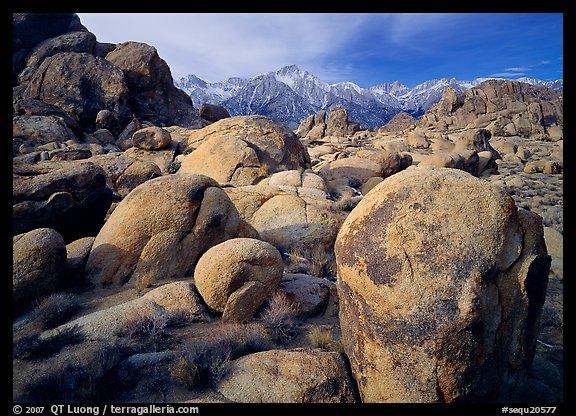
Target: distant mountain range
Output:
[(291, 94)]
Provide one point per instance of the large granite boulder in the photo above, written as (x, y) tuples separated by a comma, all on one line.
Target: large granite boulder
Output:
[(242, 150), (288, 217), (29, 29), (441, 282), (160, 230), (78, 41)]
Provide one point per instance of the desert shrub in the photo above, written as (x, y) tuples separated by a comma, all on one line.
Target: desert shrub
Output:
[(185, 372), (158, 382), (32, 347), (204, 362), (150, 331), (280, 317), (68, 384), (24, 346), (55, 310), (90, 381), (323, 338), (145, 327), (316, 261), (174, 166)]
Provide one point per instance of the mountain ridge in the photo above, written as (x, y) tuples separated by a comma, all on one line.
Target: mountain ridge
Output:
[(291, 94)]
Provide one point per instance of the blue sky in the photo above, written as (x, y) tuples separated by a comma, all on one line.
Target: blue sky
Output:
[(364, 48)]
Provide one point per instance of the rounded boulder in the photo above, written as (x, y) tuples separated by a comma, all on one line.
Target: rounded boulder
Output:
[(160, 230), (38, 262), (151, 138), (236, 277)]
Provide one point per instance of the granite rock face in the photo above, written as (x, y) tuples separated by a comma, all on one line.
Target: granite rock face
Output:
[(441, 282)]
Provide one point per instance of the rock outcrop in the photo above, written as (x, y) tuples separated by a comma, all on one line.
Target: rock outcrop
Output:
[(334, 123), (156, 306), (506, 108), (68, 196), (441, 282), (81, 85), (153, 96), (288, 218)]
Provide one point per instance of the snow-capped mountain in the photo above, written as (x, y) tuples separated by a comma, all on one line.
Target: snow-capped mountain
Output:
[(291, 94)]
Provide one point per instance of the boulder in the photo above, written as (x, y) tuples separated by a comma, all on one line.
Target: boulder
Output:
[(152, 94), (416, 139), (555, 133), (441, 282), (354, 168), (38, 263), (288, 376), (124, 171), (291, 179), (29, 29), (475, 139), (78, 41), (76, 257), (213, 112), (160, 230), (287, 218), (151, 138), (337, 122), (548, 167), (124, 141), (310, 295), (391, 162), (81, 85), (163, 158), (243, 150), (317, 132), (106, 119), (69, 196), (104, 136), (236, 277), (31, 107), (555, 246), (305, 126), (30, 132)]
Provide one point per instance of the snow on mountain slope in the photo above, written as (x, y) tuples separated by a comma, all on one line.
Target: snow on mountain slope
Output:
[(291, 94)]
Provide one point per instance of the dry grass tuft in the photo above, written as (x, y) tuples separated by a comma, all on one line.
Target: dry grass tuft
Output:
[(55, 310), (324, 338), (279, 316)]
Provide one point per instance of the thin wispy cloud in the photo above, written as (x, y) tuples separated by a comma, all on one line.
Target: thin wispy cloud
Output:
[(508, 74), (517, 69)]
